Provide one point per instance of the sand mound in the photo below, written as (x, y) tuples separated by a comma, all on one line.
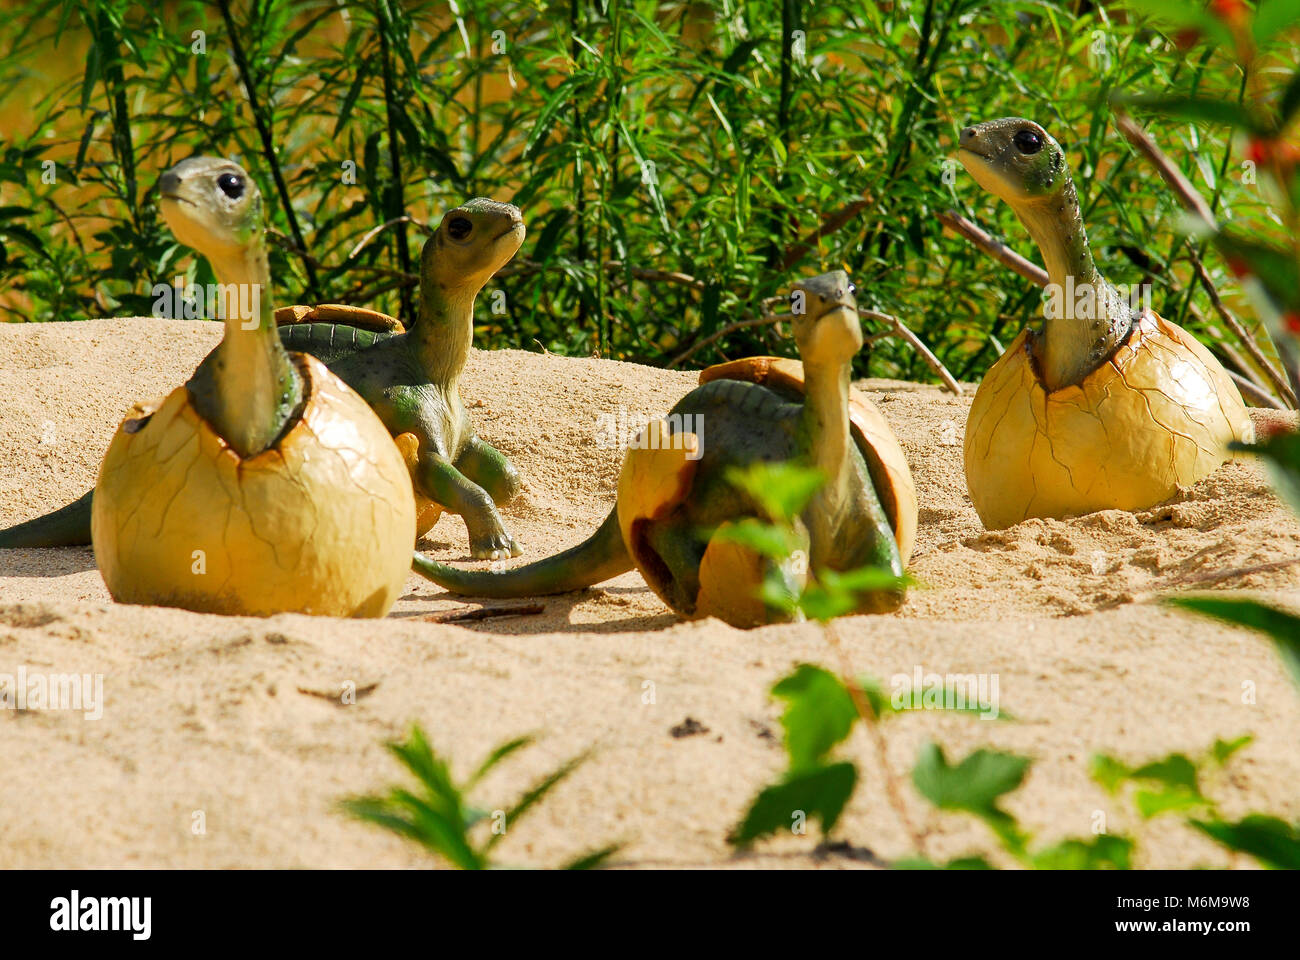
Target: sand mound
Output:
[(235, 718)]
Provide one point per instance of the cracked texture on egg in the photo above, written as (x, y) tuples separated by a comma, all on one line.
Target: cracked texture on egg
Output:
[(321, 523), (1157, 415)]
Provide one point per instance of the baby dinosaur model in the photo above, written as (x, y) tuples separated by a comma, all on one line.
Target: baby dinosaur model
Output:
[(263, 485), (673, 490), (1108, 407), (411, 378)]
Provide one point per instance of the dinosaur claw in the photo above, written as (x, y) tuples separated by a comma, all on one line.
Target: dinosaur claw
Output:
[(500, 547)]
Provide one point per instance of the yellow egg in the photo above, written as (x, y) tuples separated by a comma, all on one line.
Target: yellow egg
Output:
[(321, 523), (1158, 415)]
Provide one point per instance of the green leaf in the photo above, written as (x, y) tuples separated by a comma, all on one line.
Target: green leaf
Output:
[(1224, 749), (593, 859), (1170, 783), (1152, 803), (545, 247), (1282, 627), (782, 490), (820, 604), (535, 794), (1290, 102), (817, 793), (495, 757), (1275, 268), (1271, 18), (418, 757), (819, 713), (862, 580), (1198, 110), (763, 538), (973, 786), (1175, 770), (961, 863), (779, 594), (1281, 453), (350, 99), (1102, 852), (835, 594), (1271, 841), (1180, 14)]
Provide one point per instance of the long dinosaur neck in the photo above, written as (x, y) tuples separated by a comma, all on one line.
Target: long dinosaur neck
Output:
[(248, 389), (444, 332), (826, 418), (1086, 318)]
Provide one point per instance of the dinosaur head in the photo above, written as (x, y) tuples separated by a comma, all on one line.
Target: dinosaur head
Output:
[(211, 205), (473, 242), (1014, 159), (825, 318)]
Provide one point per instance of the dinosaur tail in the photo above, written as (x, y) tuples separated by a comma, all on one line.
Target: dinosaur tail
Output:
[(599, 557), (66, 527)]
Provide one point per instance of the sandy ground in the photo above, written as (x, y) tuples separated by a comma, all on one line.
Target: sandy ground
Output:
[(238, 719)]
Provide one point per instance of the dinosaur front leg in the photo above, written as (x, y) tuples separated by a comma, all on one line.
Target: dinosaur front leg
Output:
[(488, 539), (488, 467)]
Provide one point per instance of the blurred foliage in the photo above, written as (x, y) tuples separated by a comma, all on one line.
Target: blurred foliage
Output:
[(822, 709), (677, 163), (1268, 267)]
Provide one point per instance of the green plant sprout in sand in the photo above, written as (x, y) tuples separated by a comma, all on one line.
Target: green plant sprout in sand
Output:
[(439, 817)]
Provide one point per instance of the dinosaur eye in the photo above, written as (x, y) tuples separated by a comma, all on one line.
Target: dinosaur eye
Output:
[(459, 228), (231, 185), (853, 289), (1027, 141)]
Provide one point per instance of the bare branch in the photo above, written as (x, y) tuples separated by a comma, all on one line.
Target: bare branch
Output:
[(994, 248), (927, 355), (1180, 185), (1252, 347), (723, 331)]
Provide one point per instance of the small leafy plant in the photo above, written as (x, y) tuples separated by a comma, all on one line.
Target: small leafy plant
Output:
[(438, 816), (781, 491), (821, 709)]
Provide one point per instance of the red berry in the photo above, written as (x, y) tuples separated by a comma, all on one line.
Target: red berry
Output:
[(1229, 11), (1239, 267)]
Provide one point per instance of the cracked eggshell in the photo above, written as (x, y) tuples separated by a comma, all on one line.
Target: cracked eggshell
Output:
[(427, 511), (656, 476), (1157, 415), (322, 523)]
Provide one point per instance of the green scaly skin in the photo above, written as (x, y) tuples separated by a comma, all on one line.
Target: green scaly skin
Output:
[(248, 388), (744, 423), (1016, 160), (411, 379)]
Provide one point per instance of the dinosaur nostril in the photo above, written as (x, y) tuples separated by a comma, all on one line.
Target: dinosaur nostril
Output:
[(169, 182), (968, 135)]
